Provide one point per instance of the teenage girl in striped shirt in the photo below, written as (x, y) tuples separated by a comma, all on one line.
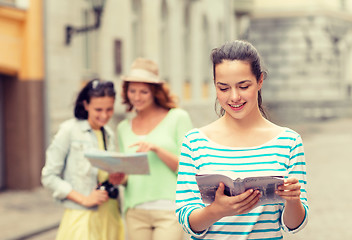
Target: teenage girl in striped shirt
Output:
[(241, 140)]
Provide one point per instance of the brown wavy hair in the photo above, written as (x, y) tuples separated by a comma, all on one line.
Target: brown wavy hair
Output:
[(161, 93)]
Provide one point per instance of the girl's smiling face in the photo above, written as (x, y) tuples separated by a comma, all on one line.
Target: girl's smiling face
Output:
[(100, 110), (237, 88), (140, 96)]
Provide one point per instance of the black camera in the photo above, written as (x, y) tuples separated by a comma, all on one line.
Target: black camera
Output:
[(112, 190)]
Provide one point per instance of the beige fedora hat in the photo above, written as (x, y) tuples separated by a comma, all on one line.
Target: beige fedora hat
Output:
[(143, 70)]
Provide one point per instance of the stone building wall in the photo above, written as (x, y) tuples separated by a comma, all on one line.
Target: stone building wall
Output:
[(177, 34), (307, 58)]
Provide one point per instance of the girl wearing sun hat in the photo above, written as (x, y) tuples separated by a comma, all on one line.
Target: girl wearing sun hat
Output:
[(158, 128)]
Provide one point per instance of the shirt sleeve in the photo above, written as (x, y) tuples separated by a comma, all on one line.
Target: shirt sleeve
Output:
[(297, 169), (188, 197), (56, 155)]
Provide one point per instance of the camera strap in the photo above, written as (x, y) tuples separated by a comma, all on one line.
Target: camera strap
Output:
[(112, 190), (104, 137)]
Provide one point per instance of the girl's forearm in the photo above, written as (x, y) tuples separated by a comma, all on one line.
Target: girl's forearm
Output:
[(76, 197), (168, 158), (294, 214), (203, 218)]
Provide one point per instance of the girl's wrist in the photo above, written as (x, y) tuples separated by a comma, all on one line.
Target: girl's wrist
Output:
[(83, 201), (154, 148), (213, 211), (293, 202)]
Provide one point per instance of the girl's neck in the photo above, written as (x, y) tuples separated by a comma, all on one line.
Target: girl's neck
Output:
[(147, 120), (251, 121), (151, 111)]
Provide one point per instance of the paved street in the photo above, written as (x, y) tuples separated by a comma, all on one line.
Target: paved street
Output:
[(328, 147), (23, 213)]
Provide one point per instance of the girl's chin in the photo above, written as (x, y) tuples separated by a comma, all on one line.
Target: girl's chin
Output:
[(139, 108), (100, 124)]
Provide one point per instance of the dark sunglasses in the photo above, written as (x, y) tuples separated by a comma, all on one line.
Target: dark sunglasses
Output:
[(98, 84)]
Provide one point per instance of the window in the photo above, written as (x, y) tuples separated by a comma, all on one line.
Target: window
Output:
[(205, 64), (343, 4), (89, 52), (165, 42), (186, 43), (137, 46)]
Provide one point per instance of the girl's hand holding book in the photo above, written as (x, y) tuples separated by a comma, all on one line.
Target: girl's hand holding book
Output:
[(229, 206), (290, 190)]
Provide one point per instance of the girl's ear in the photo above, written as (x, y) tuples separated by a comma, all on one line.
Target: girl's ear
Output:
[(85, 104), (260, 81)]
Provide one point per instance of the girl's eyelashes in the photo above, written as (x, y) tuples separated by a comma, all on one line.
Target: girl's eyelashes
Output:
[(142, 91), (223, 89), (244, 87)]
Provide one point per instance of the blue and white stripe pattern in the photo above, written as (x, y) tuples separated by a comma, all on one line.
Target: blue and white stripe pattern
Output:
[(283, 155)]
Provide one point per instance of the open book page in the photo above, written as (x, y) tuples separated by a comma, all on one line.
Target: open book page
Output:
[(209, 183), (267, 185), (236, 184), (131, 163)]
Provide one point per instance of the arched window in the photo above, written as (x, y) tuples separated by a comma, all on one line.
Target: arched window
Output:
[(165, 42), (89, 42), (186, 44), (137, 31), (205, 59)]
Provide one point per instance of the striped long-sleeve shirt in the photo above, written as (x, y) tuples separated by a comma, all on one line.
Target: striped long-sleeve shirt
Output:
[(283, 155)]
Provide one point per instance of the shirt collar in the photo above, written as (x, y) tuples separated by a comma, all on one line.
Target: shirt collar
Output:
[(84, 125)]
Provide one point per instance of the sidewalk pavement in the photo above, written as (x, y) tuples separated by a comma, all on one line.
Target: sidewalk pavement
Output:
[(26, 213), (328, 154)]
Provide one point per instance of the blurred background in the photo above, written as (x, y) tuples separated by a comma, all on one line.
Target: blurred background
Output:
[(50, 49)]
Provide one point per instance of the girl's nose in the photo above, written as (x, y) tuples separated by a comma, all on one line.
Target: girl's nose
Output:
[(235, 96), (137, 96), (105, 114)]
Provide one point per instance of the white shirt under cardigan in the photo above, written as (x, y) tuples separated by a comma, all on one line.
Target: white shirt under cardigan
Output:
[(283, 155)]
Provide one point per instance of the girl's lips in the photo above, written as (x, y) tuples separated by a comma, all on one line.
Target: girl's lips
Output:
[(103, 122), (237, 107)]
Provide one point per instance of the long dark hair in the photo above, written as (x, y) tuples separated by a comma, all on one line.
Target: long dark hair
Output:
[(161, 93), (94, 88), (243, 51)]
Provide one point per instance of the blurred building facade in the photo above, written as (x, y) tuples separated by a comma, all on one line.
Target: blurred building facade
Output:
[(21, 93), (41, 72), (177, 34), (307, 49), (306, 46)]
